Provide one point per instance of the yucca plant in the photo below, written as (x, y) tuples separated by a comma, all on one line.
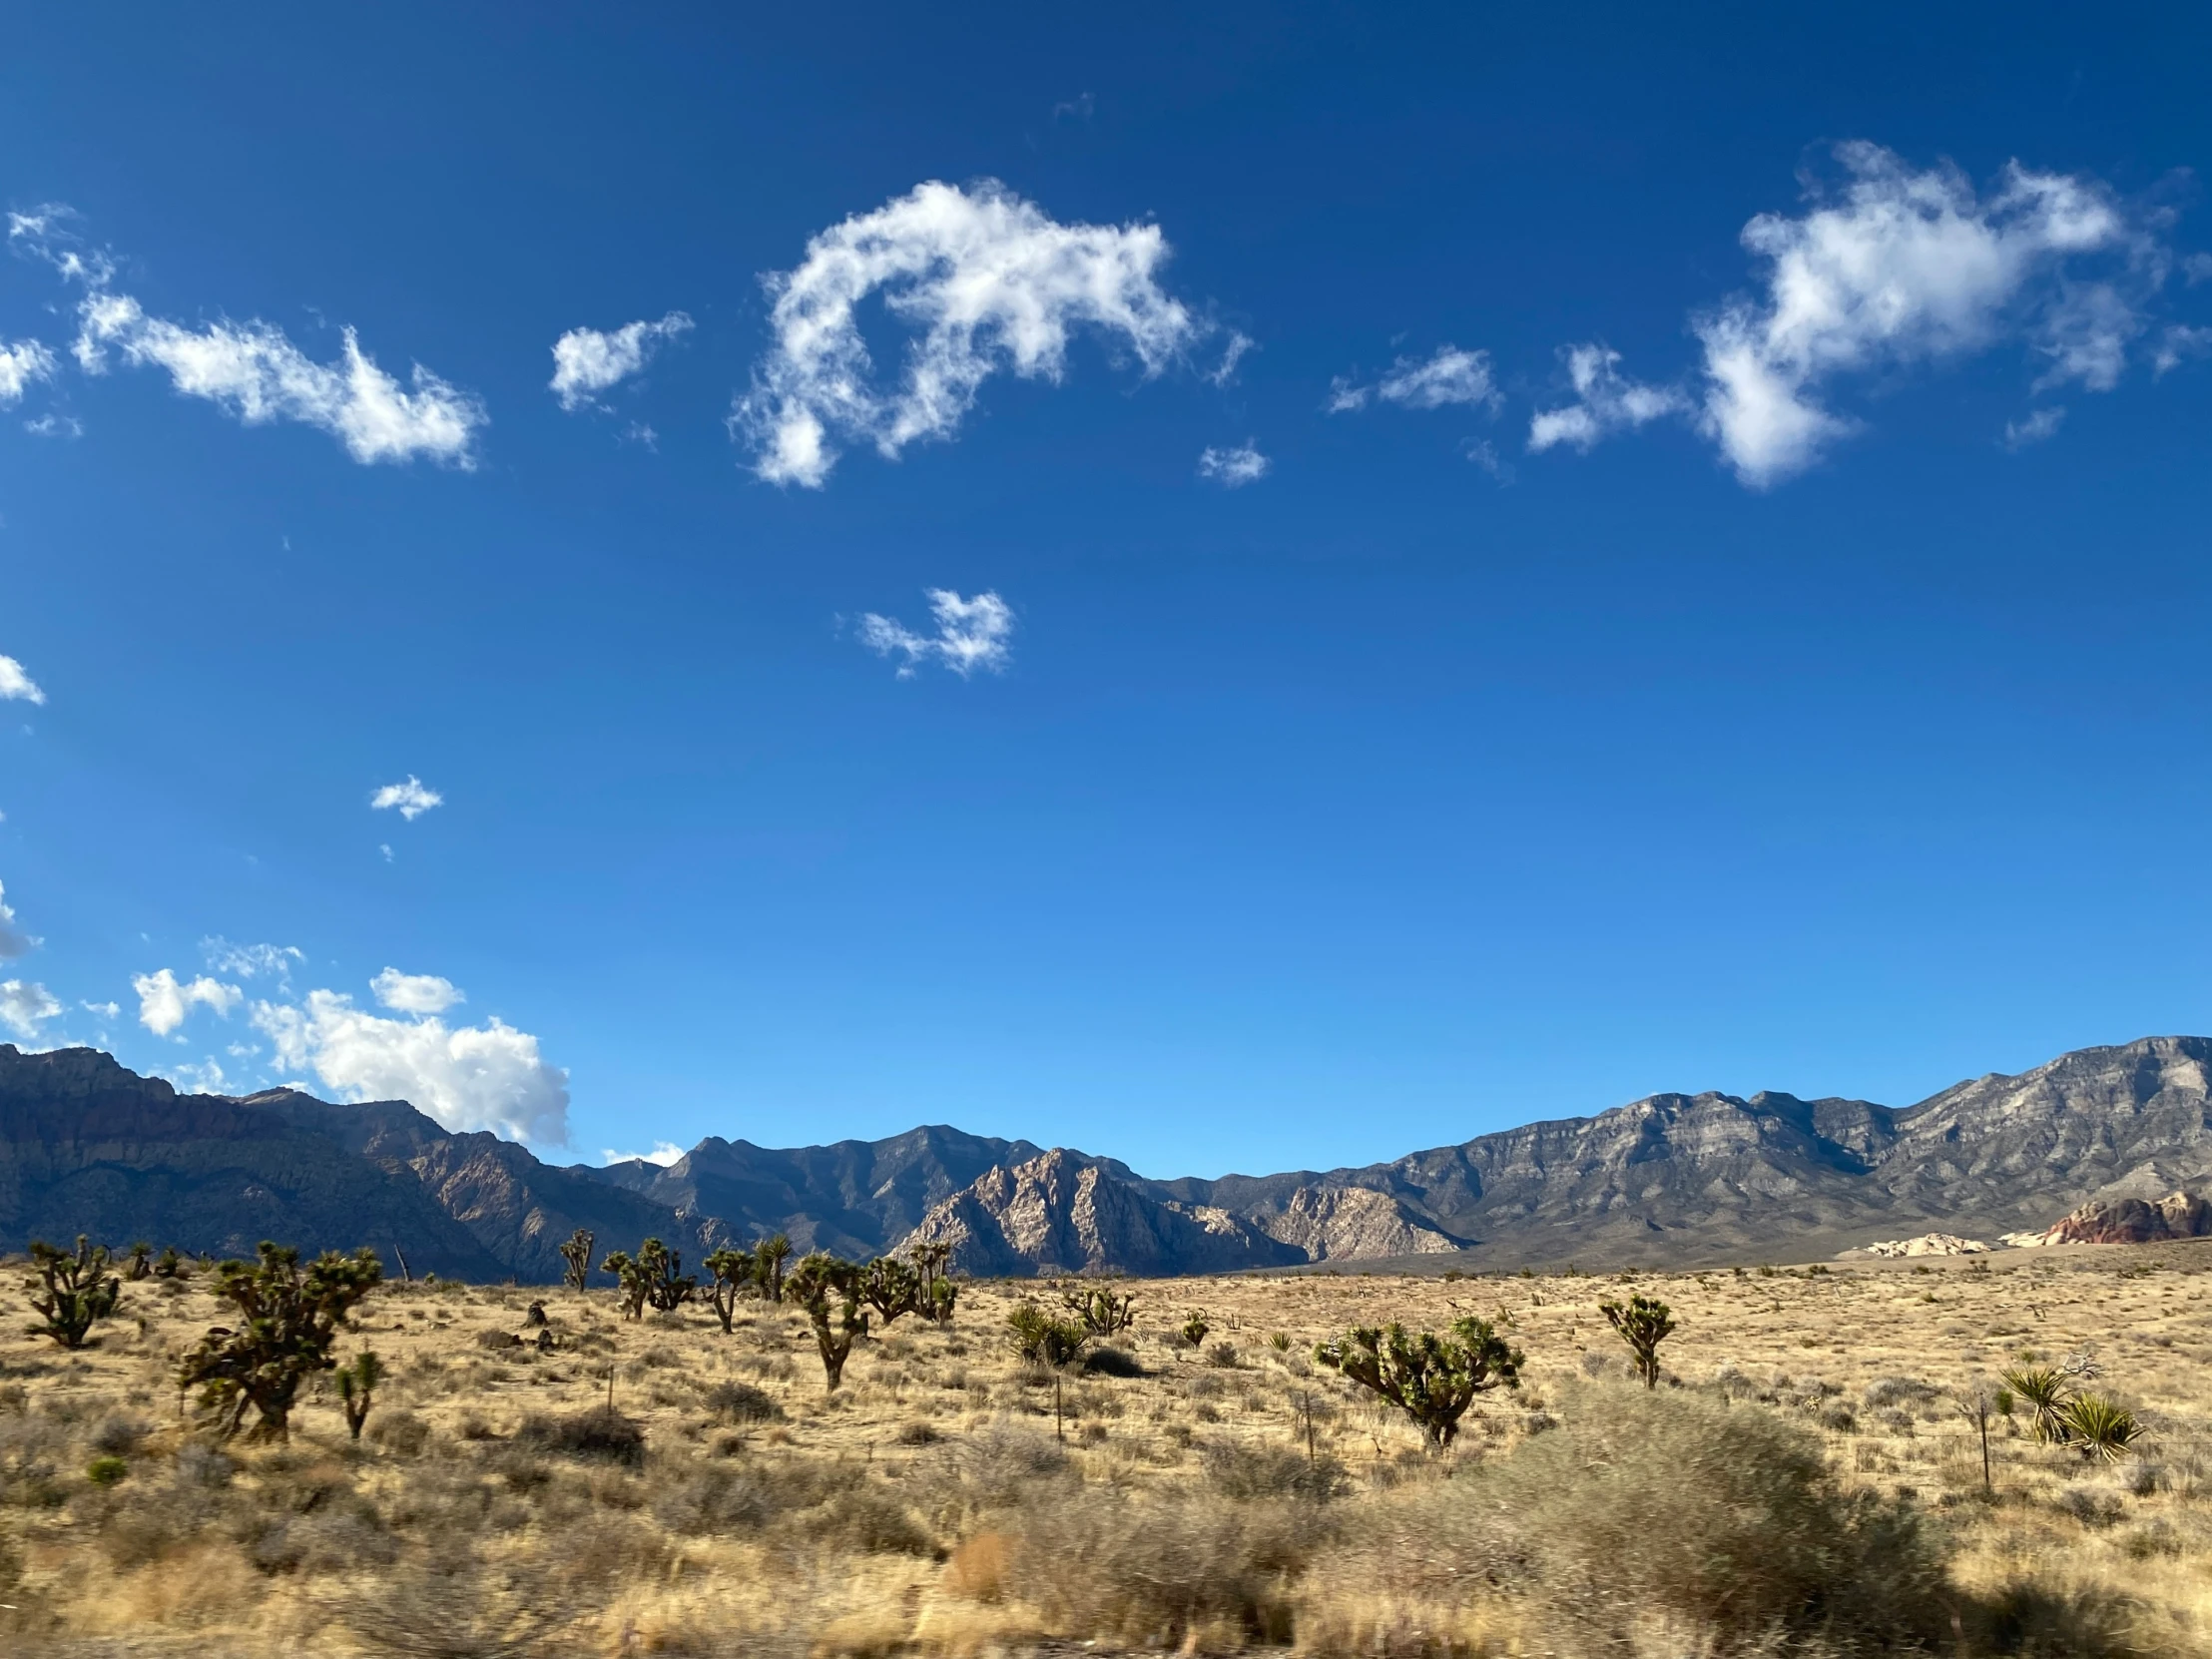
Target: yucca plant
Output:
[(1643, 1324), (1195, 1328), (73, 1291), (939, 1293), (139, 1263), (2103, 1431), (772, 1253), (1042, 1340), (2046, 1394), (1432, 1378), (890, 1287), (358, 1388), (1101, 1312)]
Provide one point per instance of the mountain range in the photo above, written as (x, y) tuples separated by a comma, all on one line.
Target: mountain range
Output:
[(87, 1146)]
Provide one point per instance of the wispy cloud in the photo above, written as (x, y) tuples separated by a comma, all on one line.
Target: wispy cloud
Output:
[(251, 961), (1235, 467), (55, 426), (2042, 424), (23, 364), (25, 1006), (253, 370), (1606, 402), (412, 798), (587, 362), (1448, 377), (988, 283), (14, 941), (972, 634)]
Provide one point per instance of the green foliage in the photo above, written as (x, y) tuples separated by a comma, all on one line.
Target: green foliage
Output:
[(772, 1253), (106, 1471), (1280, 1341), (168, 1265), (939, 1293), (1644, 1323), (358, 1388), (830, 1291), (290, 1319), (1043, 1340), (735, 1272), (1101, 1312), (2044, 1391), (139, 1263), (1195, 1327), (2102, 1429), (576, 1254), (1432, 1378), (73, 1292)]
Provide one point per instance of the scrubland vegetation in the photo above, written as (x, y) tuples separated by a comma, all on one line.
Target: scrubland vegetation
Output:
[(1805, 1476)]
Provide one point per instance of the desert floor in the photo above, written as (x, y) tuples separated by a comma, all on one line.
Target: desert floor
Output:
[(951, 1501)]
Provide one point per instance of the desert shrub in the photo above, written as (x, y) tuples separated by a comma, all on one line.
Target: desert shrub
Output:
[(1113, 1361), (1224, 1356), (865, 1517), (401, 1433), (598, 1435), (1246, 1473), (1172, 1572), (2105, 1432), (106, 1470), (918, 1432), (1003, 1467), (119, 1434), (715, 1500), (742, 1402), (1893, 1392), (1724, 1522)]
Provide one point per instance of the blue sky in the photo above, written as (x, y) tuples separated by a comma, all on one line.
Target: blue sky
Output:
[(1486, 565)]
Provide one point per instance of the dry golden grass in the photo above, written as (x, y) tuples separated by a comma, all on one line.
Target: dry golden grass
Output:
[(938, 1505)]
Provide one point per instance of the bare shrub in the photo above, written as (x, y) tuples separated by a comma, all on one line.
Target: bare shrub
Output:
[(742, 1402), (1247, 1472), (601, 1435)]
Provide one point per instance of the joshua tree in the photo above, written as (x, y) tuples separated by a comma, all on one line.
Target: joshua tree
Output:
[(1043, 1340), (735, 1272), (72, 1291), (168, 1265), (1432, 1378), (139, 1263), (577, 1255), (891, 1288), (655, 1275), (290, 1319), (1102, 1312), (939, 1293), (772, 1253), (358, 1388), (1644, 1323), (823, 1286), (1195, 1327)]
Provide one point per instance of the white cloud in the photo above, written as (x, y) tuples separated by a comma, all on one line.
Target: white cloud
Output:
[(468, 1077), (208, 1077), (587, 361), (415, 994), (21, 366), (664, 1152), (1233, 468), (2178, 343), (1606, 402), (989, 282), (251, 961), (253, 370), (165, 1002), (386, 849), (16, 684), (972, 634), (2043, 423), (55, 426), (413, 798), (106, 1010), (25, 1006), (14, 941), (1450, 377), (1232, 355), (1902, 267)]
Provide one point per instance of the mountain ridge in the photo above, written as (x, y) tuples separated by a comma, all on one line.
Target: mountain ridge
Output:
[(87, 1145)]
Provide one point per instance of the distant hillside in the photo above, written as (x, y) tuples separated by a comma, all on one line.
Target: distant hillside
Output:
[(88, 1145)]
